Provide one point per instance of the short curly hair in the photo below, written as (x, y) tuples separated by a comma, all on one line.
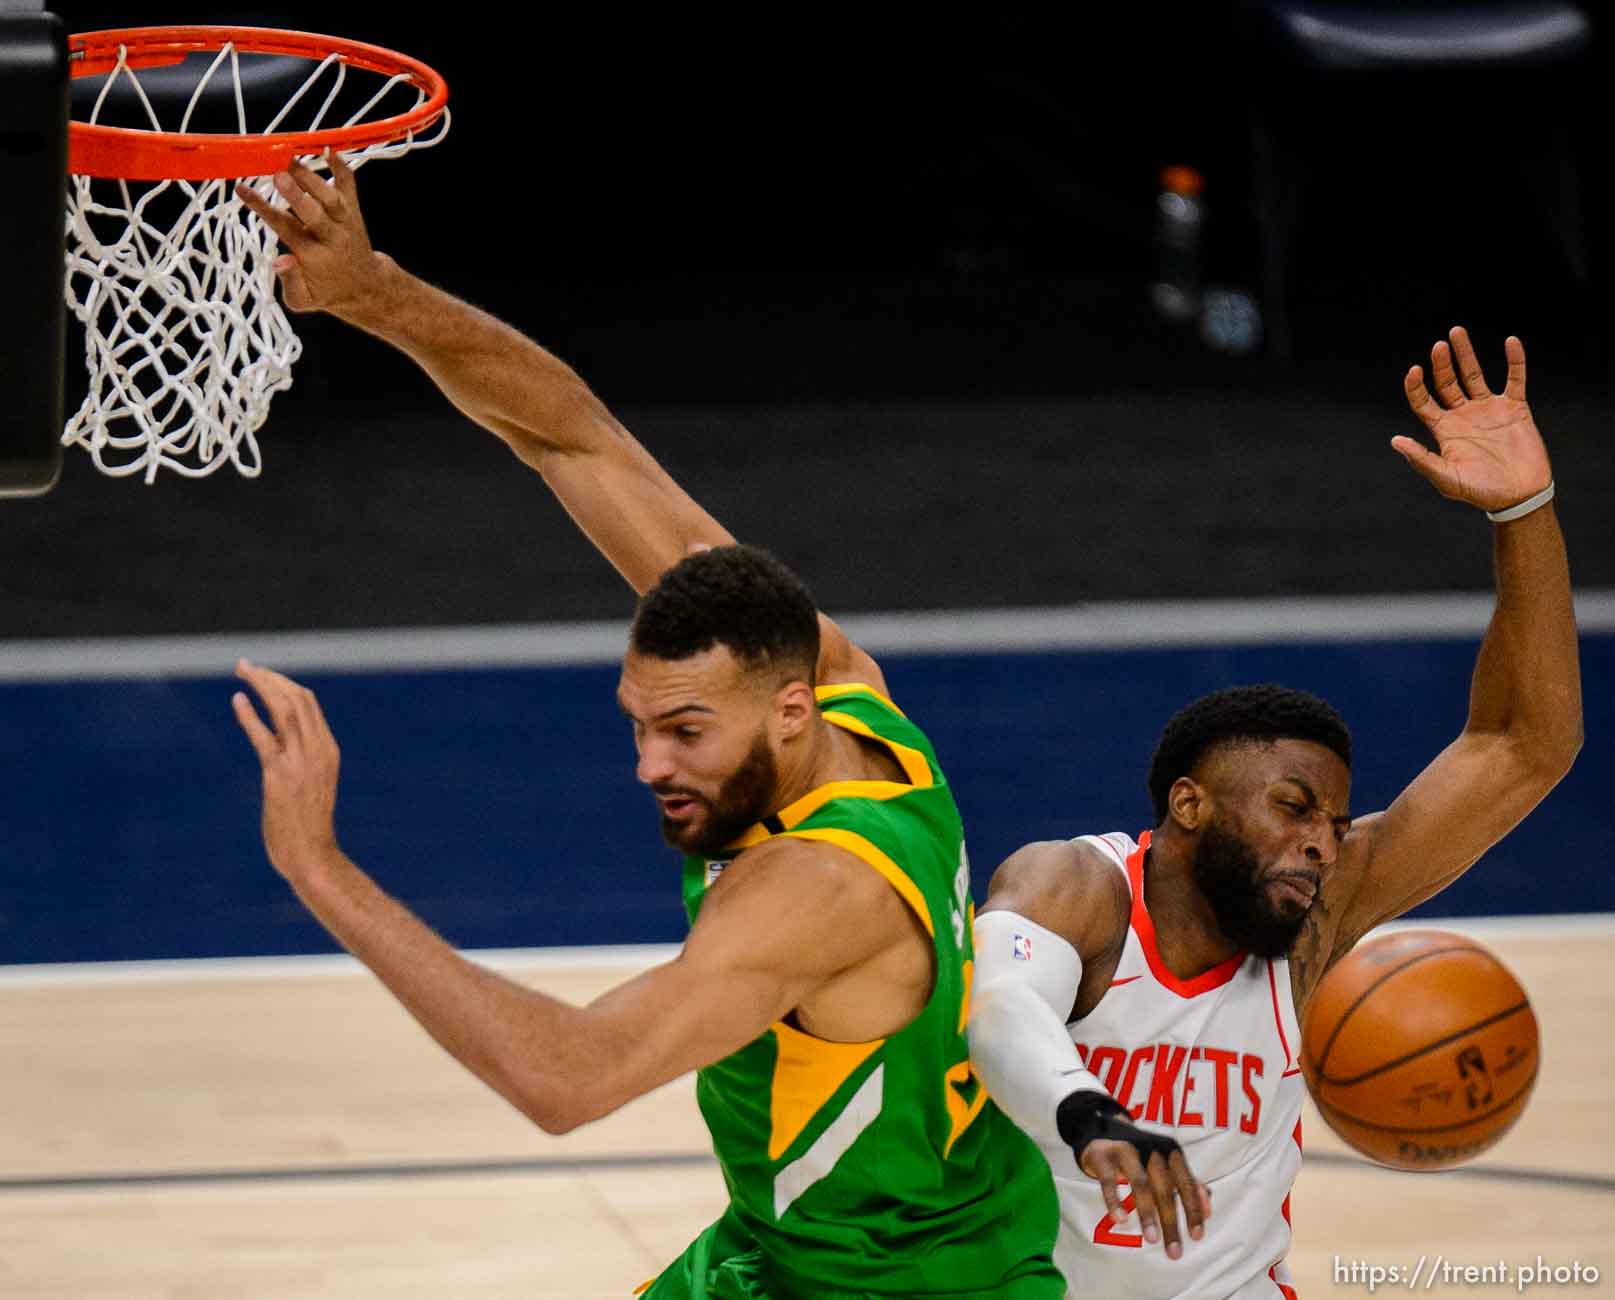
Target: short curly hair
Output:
[(1266, 712), (740, 597)]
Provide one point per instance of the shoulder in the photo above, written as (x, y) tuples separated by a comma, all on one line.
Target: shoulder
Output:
[(790, 920), (806, 868), (1068, 886), (797, 904), (1333, 926), (1344, 887), (843, 663)]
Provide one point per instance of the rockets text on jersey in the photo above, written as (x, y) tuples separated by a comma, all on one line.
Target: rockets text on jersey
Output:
[(1211, 1061)]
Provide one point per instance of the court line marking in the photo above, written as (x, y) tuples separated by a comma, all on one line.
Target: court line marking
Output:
[(626, 957), (1486, 1173), (1109, 625), (1564, 925), (640, 1160), (332, 1173), (635, 956)]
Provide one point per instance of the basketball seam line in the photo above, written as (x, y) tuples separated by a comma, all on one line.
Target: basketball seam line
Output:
[(1428, 1047), (1517, 1098), (1329, 1043)]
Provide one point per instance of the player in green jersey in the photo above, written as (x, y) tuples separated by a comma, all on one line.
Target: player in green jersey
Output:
[(823, 990)]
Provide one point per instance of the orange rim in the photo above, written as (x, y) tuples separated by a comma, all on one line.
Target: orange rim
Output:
[(114, 152)]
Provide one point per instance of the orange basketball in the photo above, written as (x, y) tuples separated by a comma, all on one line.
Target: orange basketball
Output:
[(1420, 1049)]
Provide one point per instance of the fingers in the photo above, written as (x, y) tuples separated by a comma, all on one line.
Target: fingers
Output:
[(322, 192), (1156, 1190), (1152, 1199), (304, 204), (1133, 1173), (316, 714), (1444, 376), (263, 740), (1108, 1171), (1514, 350), (311, 204), (1195, 1200), (284, 700), (1164, 1196), (1426, 464), (342, 177), (1424, 406), (1457, 372), (286, 226), (1468, 366)]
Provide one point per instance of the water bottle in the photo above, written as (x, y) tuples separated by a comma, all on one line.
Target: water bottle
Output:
[(1179, 218)]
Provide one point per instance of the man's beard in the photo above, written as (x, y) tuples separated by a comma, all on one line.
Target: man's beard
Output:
[(741, 801), (1230, 877)]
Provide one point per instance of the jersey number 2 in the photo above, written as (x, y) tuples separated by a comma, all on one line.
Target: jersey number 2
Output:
[(1105, 1234)]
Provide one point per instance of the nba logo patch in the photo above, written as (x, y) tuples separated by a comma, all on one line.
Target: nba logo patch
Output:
[(714, 870), (1021, 947)]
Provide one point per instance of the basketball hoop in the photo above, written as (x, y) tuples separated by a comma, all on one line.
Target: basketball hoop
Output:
[(170, 274)]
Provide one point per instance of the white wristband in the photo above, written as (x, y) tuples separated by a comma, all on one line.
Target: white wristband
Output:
[(1524, 508)]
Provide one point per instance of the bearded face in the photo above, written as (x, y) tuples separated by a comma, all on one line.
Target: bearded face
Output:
[(1262, 917), (717, 819)]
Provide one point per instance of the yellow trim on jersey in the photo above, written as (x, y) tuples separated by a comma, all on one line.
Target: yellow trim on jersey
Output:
[(822, 693), (961, 1113), (810, 803), (756, 835), (913, 762), (796, 813), (858, 846), (807, 1072)]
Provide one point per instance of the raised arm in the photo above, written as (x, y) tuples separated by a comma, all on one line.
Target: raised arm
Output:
[(784, 921), (629, 506), (1524, 726)]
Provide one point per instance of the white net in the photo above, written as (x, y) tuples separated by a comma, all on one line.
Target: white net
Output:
[(185, 341)]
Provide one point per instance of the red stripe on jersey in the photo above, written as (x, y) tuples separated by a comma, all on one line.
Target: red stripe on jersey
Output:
[(1204, 982), (1284, 1042), (1289, 1291)]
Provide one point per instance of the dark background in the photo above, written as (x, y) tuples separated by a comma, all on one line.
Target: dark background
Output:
[(877, 290)]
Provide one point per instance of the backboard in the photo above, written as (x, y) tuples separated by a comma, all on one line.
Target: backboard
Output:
[(33, 161)]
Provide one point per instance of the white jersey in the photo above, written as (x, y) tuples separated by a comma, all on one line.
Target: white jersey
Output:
[(1214, 1063)]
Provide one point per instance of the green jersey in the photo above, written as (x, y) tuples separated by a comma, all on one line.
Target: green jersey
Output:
[(875, 1168)]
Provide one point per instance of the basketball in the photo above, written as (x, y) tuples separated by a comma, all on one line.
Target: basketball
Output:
[(1420, 1049)]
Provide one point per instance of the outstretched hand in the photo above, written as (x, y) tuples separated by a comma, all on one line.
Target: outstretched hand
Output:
[(300, 761), (1161, 1188), (1111, 1149), (329, 264), (1489, 453)]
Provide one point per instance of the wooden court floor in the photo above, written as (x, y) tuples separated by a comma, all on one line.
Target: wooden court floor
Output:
[(291, 1133)]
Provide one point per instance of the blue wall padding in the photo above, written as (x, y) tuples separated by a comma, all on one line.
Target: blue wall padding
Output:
[(502, 804)]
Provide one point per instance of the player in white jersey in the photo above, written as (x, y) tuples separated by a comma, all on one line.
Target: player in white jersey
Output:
[(1137, 1004)]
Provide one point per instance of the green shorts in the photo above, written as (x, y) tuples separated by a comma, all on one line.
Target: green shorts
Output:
[(726, 1263), (721, 1264)]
